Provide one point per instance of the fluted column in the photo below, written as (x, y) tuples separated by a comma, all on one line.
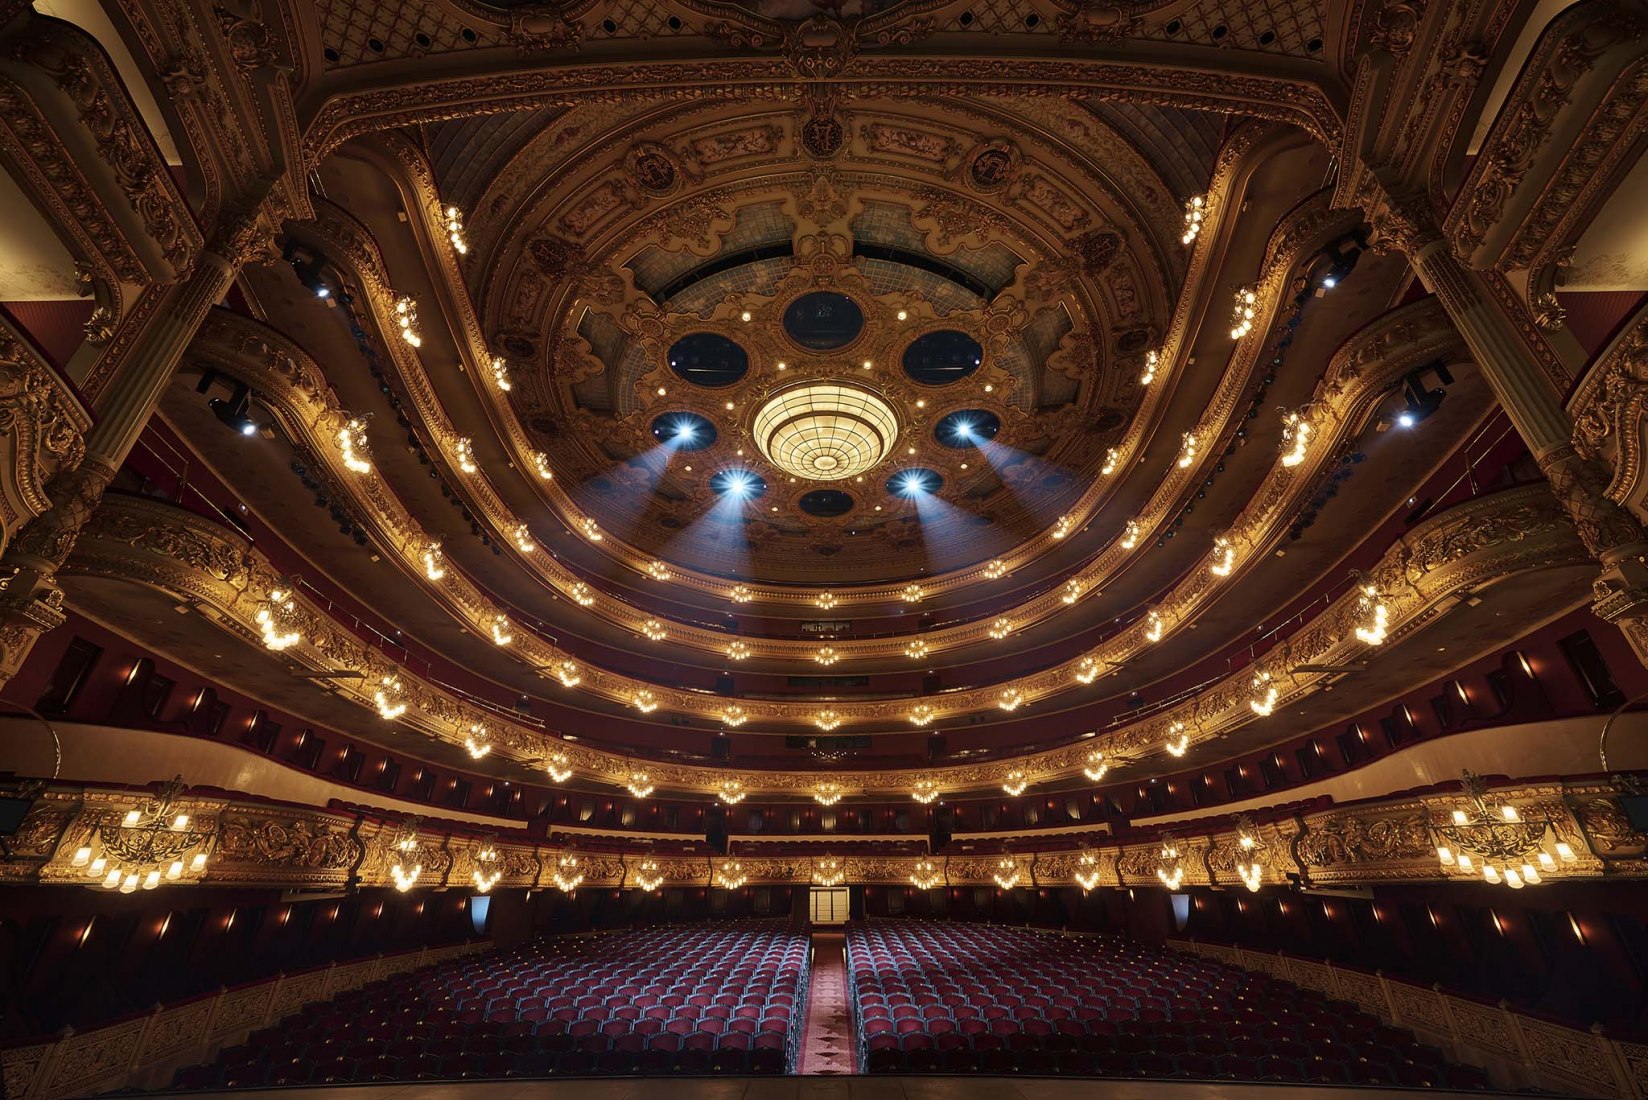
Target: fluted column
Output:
[(30, 600), (1526, 393)]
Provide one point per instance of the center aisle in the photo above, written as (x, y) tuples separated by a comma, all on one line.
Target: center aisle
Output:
[(827, 1044)]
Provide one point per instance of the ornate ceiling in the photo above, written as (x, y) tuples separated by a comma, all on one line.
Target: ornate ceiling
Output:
[(763, 370)]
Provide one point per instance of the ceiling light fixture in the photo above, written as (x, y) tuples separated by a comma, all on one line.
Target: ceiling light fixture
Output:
[(1087, 872), (1295, 438), (454, 230), (648, 876), (464, 449), (278, 620), (825, 430), (1187, 453), (1177, 741), (1224, 557), (1376, 621), (352, 442), (406, 316), (433, 566), (1195, 209), (567, 877), (390, 697), (1265, 694), (1243, 313)]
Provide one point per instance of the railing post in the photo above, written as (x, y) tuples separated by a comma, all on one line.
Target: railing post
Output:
[(48, 1066), (269, 1016), (1616, 1063), (326, 986)]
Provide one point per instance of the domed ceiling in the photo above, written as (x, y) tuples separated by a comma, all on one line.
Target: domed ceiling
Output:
[(724, 264)]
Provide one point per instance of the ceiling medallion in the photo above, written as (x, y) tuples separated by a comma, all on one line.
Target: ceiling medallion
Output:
[(825, 431)]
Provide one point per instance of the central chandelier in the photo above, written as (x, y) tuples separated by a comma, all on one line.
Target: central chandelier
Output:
[(825, 431), (150, 844), (1500, 837)]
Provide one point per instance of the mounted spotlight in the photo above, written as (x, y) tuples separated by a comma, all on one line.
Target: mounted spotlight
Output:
[(739, 484), (966, 428), (1422, 401), (1342, 256), (684, 431), (310, 269), (232, 410), (916, 481)]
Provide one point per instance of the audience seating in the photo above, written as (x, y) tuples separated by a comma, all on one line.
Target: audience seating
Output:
[(726, 998), (931, 997)]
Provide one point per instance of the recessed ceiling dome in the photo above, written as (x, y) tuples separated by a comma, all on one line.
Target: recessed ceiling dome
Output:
[(825, 431)]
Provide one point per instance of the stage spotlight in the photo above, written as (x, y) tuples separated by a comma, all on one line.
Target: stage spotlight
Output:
[(683, 431), (1422, 399), (739, 484), (232, 410), (915, 482), (967, 428)]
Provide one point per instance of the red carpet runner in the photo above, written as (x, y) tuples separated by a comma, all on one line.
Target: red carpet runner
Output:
[(827, 1044)]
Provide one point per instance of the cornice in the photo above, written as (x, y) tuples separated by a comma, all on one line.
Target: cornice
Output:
[(149, 542), (573, 79)]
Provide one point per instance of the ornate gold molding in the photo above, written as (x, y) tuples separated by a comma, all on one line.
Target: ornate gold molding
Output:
[(145, 541), (259, 844), (42, 432)]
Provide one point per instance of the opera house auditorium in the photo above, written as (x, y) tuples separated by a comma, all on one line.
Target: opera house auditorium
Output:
[(823, 549)]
